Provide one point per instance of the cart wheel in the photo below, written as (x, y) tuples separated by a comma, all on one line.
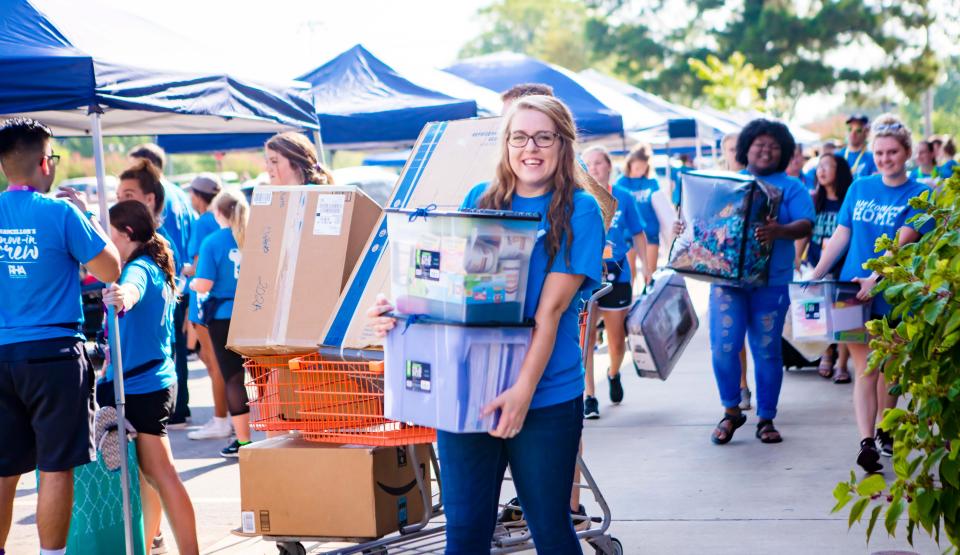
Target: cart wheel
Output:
[(375, 551), (289, 548), (616, 548)]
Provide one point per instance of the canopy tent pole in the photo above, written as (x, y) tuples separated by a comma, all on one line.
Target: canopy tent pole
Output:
[(112, 327), (318, 141)]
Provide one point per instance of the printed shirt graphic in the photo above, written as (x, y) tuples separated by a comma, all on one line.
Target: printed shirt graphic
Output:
[(43, 241), (870, 210), (146, 330), (562, 379), (823, 228), (220, 263)]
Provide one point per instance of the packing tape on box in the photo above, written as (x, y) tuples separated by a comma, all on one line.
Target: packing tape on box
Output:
[(287, 269)]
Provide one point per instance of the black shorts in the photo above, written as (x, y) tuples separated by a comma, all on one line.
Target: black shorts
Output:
[(148, 413), (619, 298), (46, 406)]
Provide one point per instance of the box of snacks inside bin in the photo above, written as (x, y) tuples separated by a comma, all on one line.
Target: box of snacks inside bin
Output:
[(467, 266), (722, 211)]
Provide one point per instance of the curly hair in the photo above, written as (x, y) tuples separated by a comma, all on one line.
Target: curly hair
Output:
[(132, 218), (774, 129)]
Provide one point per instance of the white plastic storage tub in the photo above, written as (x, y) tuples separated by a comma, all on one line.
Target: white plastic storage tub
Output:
[(441, 375), (828, 312), (660, 325), (461, 266)]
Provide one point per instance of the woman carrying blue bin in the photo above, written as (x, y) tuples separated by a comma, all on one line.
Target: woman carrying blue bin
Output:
[(765, 148), (541, 416), (874, 206)]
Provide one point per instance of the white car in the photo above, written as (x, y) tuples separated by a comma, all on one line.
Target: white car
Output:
[(87, 188)]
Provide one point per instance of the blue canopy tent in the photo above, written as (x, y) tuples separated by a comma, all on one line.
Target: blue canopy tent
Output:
[(503, 70), (362, 104), (47, 75)]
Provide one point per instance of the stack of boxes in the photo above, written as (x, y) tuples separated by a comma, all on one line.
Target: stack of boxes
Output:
[(459, 280)]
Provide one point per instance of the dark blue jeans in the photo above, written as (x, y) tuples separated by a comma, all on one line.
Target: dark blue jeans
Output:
[(181, 408), (759, 313), (542, 458)]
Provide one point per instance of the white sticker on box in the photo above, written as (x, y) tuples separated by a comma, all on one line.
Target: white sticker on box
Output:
[(329, 214), (248, 523), (262, 197)]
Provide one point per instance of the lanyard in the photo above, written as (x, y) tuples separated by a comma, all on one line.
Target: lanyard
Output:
[(26, 188), (853, 169)]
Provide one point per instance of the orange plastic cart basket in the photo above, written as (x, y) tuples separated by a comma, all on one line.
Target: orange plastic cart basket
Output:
[(272, 391)]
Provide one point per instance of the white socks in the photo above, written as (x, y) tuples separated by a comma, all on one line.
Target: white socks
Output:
[(53, 551)]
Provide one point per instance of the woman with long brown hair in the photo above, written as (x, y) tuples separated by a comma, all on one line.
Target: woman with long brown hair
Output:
[(541, 416), (292, 160), (146, 295)]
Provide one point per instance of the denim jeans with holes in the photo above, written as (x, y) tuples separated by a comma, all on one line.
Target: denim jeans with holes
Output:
[(542, 458), (759, 314)]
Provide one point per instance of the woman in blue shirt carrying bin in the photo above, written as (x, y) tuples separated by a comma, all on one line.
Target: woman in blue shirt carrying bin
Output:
[(541, 416), (145, 297)]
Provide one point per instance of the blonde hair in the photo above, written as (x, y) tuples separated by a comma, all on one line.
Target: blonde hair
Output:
[(602, 150), (567, 179), (640, 153), (889, 125), (302, 155), (232, 205)]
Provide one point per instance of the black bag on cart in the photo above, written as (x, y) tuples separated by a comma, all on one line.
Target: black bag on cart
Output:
[(660, 325), (792, 358)]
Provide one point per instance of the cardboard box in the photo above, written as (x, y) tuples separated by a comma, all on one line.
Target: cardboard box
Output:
[(301, 245), (448, 160), (292, 487)]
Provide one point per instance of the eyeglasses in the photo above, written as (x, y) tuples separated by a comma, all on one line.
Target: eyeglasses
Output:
[(543, 139), (53, 158), (887, 127), (857, 129)]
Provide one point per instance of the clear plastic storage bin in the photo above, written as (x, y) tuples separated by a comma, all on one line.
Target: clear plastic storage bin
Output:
[(441, 375), (461, 266), (828, 311)]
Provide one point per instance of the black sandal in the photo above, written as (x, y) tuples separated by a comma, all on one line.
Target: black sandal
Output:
[(764, 429), (736, 420)]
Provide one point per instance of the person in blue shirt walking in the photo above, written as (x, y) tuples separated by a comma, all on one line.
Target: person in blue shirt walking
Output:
[(218, 268), (176, 220), (144, 297), (626, 230), (638, 178), (764, 148), (948, 152), (541, 416), (874, 206), (203, 190), (856, 153), (46, 379)]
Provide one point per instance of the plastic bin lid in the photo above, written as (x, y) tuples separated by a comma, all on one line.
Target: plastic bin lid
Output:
[(467, 213), (420, 319)]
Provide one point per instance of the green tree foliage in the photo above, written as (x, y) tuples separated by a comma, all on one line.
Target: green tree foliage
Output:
[(551, 31), (734, 84), (946, 103), (920, 357)]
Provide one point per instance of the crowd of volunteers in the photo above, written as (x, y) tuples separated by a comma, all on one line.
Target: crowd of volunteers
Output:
[(172, 259)]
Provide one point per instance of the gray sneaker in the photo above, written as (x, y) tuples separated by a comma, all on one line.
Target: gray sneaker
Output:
[(745, 397)]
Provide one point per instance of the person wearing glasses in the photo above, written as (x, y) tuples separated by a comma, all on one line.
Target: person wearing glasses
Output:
[(874, 206), (46, 379), (541, 416), (856, 153)]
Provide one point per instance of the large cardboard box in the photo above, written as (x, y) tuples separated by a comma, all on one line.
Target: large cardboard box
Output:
[(292, 487), (301, 244), (448, 159)]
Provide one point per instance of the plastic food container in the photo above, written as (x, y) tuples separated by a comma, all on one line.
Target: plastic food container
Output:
[(461, 266), (441, 375), (828, 311)]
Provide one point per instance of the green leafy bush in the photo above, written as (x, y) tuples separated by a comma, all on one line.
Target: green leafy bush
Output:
[(920, 358)]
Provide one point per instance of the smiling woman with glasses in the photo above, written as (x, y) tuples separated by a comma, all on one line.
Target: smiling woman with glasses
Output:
[(543, 139)]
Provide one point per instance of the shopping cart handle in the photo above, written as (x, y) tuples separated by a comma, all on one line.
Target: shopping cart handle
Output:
[(604, 289)]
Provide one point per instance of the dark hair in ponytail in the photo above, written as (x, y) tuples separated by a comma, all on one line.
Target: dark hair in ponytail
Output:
[(132, 218)]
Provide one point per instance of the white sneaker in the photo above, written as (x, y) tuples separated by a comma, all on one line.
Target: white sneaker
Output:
[(745, 396), (215, 428)]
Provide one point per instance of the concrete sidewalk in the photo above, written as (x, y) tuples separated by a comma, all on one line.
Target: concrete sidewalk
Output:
[(670, 489)]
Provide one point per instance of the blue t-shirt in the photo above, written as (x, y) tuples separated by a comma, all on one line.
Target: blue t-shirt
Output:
[(43, 241), (861, 162), (146, 330), (176, 221), (928, 179), (946, 170), (626, 223), (678, 182), (870, 210), (796, 205), (810, 179), (562, 378), (220, 263), (203, 226), (642, 189)]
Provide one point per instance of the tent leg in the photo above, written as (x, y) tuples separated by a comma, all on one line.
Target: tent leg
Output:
[(318, 141), (114, 332)]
